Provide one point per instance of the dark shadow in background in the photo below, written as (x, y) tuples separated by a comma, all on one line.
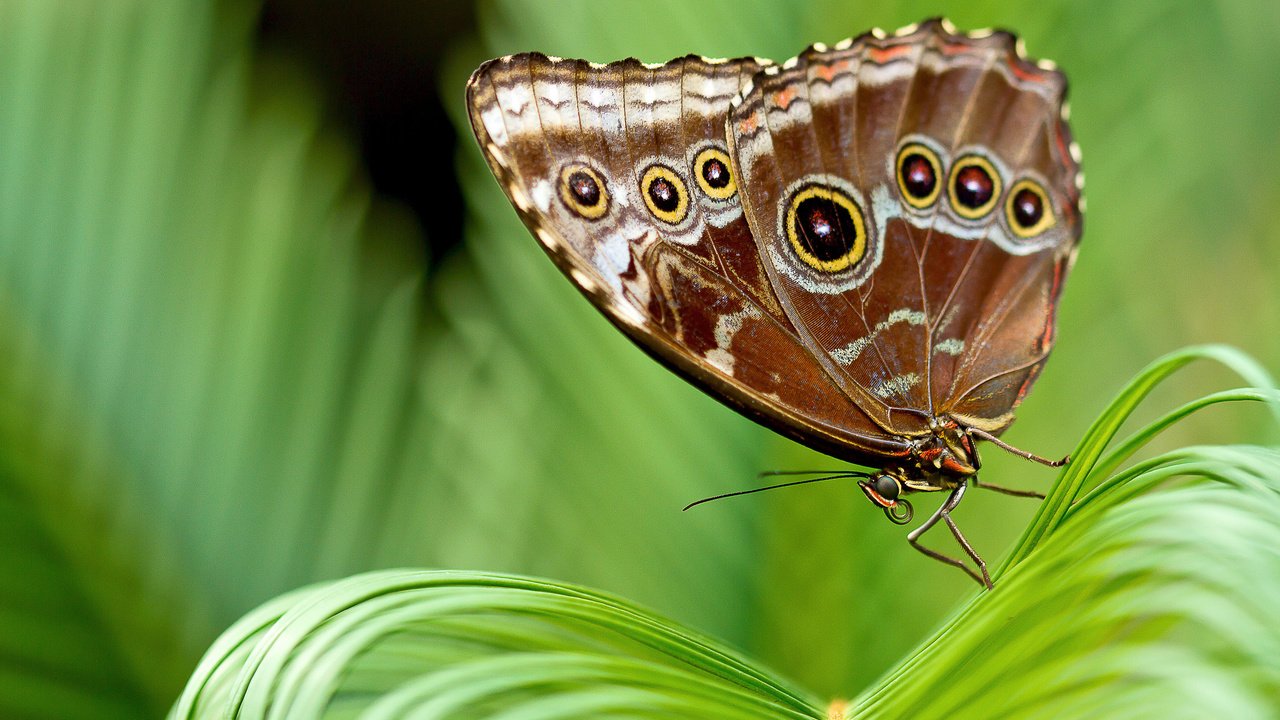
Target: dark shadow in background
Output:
[(379, 62)]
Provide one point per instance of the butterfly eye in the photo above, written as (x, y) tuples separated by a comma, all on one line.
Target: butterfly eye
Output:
[(826, 228), (918, 173), (887, 487), (883, 490), (1028, 209), (665, 194), (711, 168), (583, 191), (974, 186)]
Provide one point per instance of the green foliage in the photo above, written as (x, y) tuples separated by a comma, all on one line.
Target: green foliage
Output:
[(1107, 605), (202, 322), (225, 376)]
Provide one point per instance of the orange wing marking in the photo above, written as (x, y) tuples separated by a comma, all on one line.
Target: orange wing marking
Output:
[(880, 56), (784, 97), (829, 72)]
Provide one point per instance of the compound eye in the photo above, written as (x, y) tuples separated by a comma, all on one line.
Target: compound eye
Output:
[(918, 173), (1028, 209), (974, 187), (583, 191), (886, 487), (883, 490)]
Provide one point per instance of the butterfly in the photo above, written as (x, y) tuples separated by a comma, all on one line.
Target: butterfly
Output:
[(861, 248)]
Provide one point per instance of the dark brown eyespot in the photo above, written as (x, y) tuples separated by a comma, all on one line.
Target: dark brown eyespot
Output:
[(826, 228), (715, 173), (918, 173), (1028, 209), (665, 194), (584, 188), (583, 191), (974, 187), (918, 176), (711, 168)]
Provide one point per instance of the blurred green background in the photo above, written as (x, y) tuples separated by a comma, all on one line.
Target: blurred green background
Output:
[(248, 342)]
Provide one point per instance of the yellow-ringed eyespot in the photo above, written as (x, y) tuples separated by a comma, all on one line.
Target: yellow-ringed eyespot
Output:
[(1028, 209), (919, 173), (826, 228), (665, 194), (711, 169), (583, 191), (974, 187)]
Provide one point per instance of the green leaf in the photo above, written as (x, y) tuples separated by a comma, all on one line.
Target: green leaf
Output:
[(362, 643), (1147, 591), (192, 274)]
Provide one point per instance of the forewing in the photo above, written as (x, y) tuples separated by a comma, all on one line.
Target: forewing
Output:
[(607, 167)]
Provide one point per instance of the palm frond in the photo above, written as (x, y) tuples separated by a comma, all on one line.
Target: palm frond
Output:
[(1146, 590)]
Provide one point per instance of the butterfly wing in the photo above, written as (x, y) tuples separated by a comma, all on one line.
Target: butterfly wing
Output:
[(911, 288), (621, 171)]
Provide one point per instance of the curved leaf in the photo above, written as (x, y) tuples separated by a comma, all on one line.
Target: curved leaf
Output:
[(1125, 586), (451, 644)]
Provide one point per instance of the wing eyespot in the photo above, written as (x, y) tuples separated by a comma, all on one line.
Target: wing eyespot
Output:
[(583, 191), (664, 194), (711, 168), (1028, 209), (826, 228), (919, 173), (974, 187)]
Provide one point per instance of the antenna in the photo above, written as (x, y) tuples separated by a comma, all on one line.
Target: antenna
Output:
[(833, 476)]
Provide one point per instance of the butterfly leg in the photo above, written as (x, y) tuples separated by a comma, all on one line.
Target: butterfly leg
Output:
[(983, 435), (1008, 491), (977, 559), (944, 513)]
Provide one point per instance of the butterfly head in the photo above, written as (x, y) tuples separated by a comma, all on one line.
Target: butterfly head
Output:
[(884, 489)]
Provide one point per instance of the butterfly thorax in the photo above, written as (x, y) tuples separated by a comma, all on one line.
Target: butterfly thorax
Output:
[(942, 459)]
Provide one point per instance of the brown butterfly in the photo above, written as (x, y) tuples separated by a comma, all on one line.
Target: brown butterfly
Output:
[(861, 248)]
